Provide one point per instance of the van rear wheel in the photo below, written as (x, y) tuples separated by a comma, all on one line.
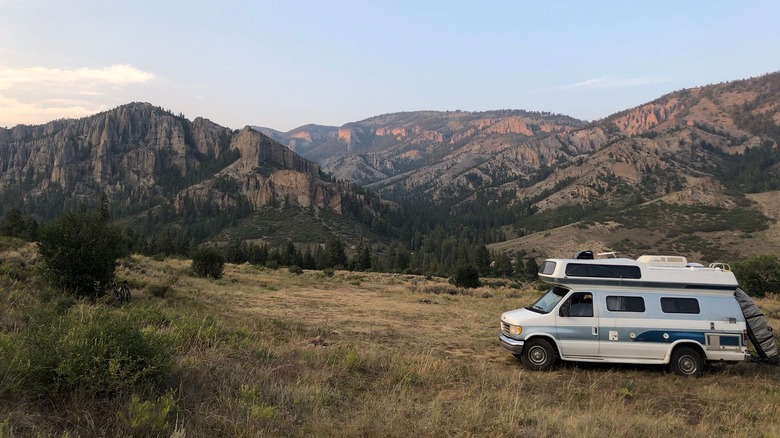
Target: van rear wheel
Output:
[(538, 355), (687, 362)]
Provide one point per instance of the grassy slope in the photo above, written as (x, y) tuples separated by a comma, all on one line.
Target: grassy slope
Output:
[(386, 355), (729, 245)]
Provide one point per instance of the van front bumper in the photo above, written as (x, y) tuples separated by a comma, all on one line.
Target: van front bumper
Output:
[(510, 344)]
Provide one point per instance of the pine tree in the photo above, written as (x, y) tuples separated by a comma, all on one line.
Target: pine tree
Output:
[(503, 265), (335, 256), (531, 268), (103, 208), (482, 260)]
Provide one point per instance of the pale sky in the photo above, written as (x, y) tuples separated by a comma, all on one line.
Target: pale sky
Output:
[(282, 64)]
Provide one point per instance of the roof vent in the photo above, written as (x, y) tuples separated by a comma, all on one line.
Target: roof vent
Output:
[(661, 260), (583, 255)]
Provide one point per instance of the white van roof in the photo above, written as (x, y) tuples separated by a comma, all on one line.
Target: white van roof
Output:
[(648, 271)]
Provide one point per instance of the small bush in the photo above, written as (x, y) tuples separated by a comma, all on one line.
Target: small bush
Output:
[(466, 276), (295, 270), (208, 262), (328, 272), (440, 289), (150, 418)]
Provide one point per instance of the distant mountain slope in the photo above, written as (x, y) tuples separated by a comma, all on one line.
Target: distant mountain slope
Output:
[(686, 147), (390, 148), (676, 146), (303, 139), (706, 157)]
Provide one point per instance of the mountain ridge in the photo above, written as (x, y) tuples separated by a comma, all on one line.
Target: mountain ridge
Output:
[(491, 176)]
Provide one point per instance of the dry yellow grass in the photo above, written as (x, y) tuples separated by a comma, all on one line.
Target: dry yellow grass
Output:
[(365, 354)]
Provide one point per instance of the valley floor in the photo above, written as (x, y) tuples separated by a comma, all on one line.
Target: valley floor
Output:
[(365, 354), (398, 355)]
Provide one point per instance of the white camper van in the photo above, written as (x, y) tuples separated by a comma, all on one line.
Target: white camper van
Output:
[(653, 310)]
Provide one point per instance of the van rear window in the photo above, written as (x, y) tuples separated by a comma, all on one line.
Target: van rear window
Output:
[(602, 271), (680, 305), (625, 304)]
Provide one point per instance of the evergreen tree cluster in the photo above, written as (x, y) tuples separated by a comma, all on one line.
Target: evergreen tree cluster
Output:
[(331, 255), (16, 224)]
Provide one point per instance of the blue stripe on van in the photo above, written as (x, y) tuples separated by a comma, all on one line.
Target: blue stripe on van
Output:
[(658, 336)]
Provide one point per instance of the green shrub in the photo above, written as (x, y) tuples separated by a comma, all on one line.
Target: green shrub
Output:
[(208, 262), (328, 272), (80, 251), (295, 270), (91, 350), (759, 275), (466, 276)]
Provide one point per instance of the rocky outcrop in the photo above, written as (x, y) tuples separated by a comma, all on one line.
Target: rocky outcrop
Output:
[(648, 116), (124, 151), (258, 150)]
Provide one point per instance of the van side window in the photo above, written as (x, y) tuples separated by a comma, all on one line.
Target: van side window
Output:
[(680, 305), (578, 305), (625, 304)]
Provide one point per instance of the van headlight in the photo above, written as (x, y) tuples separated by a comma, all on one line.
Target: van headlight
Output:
[(510, 329)]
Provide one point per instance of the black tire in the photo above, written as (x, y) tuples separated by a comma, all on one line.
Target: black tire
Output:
[(687, 362), (538, 355)]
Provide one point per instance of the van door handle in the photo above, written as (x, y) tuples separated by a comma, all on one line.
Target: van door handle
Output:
[(595, 331)]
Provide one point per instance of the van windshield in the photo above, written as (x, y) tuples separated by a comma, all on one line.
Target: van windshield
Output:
[(547, 302)]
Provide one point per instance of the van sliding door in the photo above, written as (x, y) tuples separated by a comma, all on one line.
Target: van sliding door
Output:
[(631, 329)]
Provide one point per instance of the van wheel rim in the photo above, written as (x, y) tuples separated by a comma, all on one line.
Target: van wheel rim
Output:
[(687, 364), (537, 355)]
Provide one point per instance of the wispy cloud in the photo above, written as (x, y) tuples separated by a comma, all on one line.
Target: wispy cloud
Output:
[(40, 94), (13, 112), (606, 82), (118, 74)]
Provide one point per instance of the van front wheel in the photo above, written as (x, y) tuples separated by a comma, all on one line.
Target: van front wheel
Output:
[(538, 355), (687, 362)]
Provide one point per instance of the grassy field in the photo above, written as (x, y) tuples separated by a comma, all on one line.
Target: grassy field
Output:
[(271, 353)]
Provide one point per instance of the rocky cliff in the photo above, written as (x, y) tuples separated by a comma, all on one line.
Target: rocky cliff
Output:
[(141, 156)]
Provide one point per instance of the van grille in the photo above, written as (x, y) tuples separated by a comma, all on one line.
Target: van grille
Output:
[(505, 328)]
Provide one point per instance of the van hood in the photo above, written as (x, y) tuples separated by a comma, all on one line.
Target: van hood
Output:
[(522, 316)]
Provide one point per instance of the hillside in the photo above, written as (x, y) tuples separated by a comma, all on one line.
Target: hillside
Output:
[(707, 158)]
